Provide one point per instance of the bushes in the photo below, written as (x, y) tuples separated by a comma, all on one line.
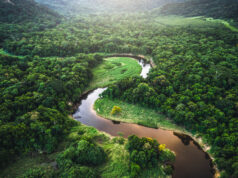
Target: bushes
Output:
[(75, 171), (120, 140), (162, 147), (37, 173), (168, 169), (146, 153), (166, 156), (34, 99), (135, 169), (196, 89), (84, 153), (115, 110), (89, 153), (79, 172), (76, 159)]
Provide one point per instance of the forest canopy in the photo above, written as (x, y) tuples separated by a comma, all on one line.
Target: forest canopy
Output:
[(46, 63)]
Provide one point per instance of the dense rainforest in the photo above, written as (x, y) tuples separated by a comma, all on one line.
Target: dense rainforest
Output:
[(17, 17), (46, 63)]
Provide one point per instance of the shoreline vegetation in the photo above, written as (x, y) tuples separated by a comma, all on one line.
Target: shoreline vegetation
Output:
[(103, 107), (118, 157), (52, 53), (116, 163), (167, 123)]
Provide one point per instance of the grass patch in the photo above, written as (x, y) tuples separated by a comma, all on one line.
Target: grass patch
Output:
[(225, 23), (112, 70), (134, 114), (172, 20), (118, 164)]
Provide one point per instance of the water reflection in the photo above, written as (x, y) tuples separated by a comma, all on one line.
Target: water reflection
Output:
[(116, 122), (184, 138)]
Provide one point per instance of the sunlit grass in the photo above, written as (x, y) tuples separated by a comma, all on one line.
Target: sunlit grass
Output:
[(225, 23), (199, 21), (134, 114), (181, 21), (112, 70)]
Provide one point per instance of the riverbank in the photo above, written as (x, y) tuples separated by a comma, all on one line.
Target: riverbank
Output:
[(147, 117), (86, 115), (113, 69)]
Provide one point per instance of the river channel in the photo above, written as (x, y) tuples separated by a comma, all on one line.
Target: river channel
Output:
[(191, 161)]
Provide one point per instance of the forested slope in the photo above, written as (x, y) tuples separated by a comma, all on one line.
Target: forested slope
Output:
[(209, 8), (19, 11), (194, 82), (19, 16), (97, 6), (35, 97)]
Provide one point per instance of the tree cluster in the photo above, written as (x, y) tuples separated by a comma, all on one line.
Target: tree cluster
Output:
[(35, 97)]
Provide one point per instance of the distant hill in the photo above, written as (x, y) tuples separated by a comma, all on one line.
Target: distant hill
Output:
[(210, 8), (96, 6), (23, 16), (69, 7), (15, 11)]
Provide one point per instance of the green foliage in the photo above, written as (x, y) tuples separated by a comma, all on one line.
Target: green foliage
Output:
[(120, 140), (17, 17), (168, 169), (74, 161), (145, 154), (79, 172), (115, 110), (209, 8), (166, 156), (34, 100), (194, 82), (135, 169), (15, 11), (36, 173), (133, 113), (84, 153), (110, 71)]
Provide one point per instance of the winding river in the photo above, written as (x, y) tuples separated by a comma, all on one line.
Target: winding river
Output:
[(191, 160)]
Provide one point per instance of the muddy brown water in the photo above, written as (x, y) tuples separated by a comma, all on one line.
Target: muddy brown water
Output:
[(191, 161)]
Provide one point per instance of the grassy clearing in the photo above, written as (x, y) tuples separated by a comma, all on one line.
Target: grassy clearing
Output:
[(134, 114), (183, 21), (198, 21), (112, 70), (227, 24)]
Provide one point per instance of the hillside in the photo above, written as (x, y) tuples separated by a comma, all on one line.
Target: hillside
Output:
[(209, 8), (15, 11), (20, 16), (97, 6)]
